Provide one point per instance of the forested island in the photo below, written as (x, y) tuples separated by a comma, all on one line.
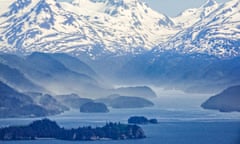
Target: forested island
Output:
[(93, 107), (141, 120), (47, 129)]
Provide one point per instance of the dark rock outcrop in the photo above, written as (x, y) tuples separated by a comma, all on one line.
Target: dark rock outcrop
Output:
[(153, 121), (141, 120)]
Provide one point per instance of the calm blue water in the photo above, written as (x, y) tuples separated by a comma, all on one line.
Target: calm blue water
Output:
[(182, 121), (194, 126), (172, 133)]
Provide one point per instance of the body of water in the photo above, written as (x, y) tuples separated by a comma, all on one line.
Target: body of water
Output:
[(181, 121)]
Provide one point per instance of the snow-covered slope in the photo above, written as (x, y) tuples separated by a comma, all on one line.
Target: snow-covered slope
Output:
[(94, 27), (190, 16), (104, 27), (218, 33)]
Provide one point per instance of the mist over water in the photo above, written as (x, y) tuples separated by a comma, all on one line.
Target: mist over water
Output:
[(169, 106), (185, 60), (175, 99), (172, 98), (182, 121)]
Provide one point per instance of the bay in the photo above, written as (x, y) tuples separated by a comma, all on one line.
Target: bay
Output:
[(181, 121)]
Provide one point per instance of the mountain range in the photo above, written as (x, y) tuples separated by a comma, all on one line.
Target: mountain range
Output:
[(95, 28), (92, 27), (215, 32), (48, 73), (17, 104), (86, 48), (124, 41)]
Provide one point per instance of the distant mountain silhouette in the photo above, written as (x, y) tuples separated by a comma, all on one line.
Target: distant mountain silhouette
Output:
[(51, 72), (118, 101), (94, 107), (16, 79), (226, 101), (15, 104), (73, 100)]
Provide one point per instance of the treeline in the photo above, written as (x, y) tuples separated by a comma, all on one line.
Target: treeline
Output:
[(141, 120), (49, 129)]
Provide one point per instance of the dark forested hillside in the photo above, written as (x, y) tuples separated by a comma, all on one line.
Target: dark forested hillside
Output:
[(49, 129)]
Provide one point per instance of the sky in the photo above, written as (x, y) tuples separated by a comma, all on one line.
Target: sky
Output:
[(173, 7)]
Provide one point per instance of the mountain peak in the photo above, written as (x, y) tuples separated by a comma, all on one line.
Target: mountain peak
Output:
[(209, 3), (102, 27), (214, 32), (21, 5), (123, 3), (111, 2), (16, 6)]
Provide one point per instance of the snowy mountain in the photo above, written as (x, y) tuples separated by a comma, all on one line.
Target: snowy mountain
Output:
[(84, 26), (217, 33), (190, 16), (117, 27)]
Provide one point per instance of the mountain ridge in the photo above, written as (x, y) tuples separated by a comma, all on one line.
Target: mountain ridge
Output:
[(52, 26), (103, 28), (217, 34)]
